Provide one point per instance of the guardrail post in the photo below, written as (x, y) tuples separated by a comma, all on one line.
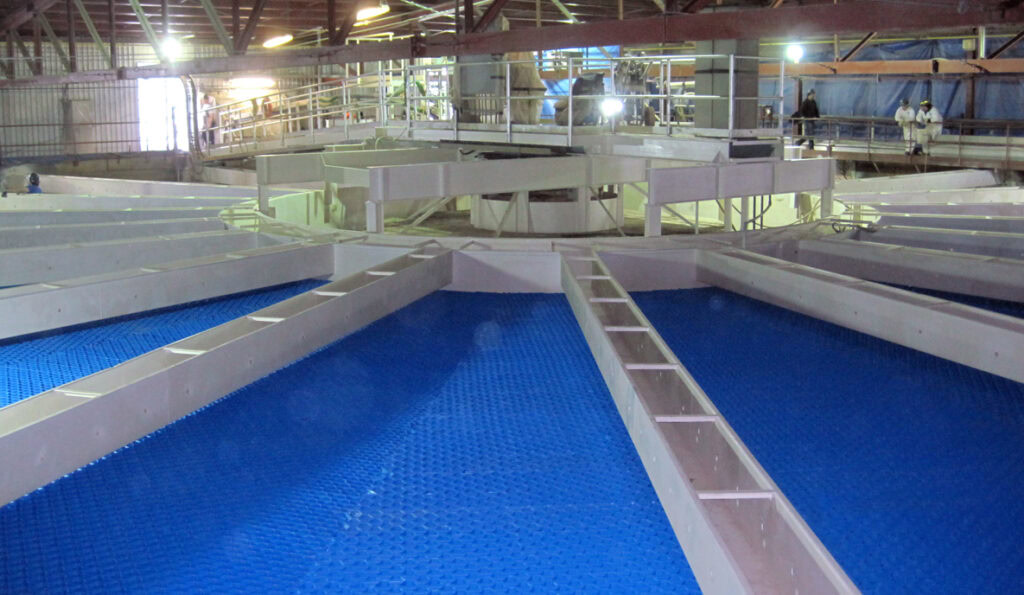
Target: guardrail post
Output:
[(569, 135), (508, 102)]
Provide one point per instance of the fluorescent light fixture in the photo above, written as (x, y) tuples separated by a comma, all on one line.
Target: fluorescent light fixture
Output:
[(794, 52), (611, 107), (171, 49), (279, 40), (374, 10)]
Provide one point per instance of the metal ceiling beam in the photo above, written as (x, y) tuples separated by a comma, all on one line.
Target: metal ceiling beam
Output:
[(857, 48), (148, 29), (564, 10), (1006, 46), (339, 36), (488, 17), (34, 66), (218, 26), (798, 21), (57, 47), (242, 44), (24, 13), (695, 6), (93, 33)]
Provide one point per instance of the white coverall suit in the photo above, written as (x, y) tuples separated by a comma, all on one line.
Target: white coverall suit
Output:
[(932, 122), (905, 117)]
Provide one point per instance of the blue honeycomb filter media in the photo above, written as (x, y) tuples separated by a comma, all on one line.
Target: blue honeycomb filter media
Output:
[(31, 366), (466, 443), (906, 466)]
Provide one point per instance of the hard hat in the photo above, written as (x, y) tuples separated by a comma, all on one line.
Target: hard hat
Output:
[(904, 102), (926, 102)]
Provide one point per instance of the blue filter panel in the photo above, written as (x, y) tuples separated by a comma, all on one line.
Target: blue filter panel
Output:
[(906, 466), (41, 362), (466, 443)]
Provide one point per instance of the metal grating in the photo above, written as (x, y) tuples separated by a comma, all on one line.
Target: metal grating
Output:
[(903, 464), (464, 443), (30, 366)]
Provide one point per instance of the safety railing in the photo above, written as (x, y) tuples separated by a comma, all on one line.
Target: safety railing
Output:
[(962, 141), (565, 96)]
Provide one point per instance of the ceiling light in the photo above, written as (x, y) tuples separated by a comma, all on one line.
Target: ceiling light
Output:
[(794, 52), (372, 10), (279, 40), (171, 49)]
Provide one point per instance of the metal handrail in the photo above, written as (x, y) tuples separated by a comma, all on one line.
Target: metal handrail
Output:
[(425, 92)]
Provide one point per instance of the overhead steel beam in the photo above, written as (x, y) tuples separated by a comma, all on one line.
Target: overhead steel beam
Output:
[(25, 13), (148, 29), (9, 64), (33, 65), (694, 6), (488, 17), (1009, 44), (93, 33), (113, 33), (242, 43), (72, 48), (346, 27), (57, 47), (857, 48), (799, 21), (467, 15), (218, 26)]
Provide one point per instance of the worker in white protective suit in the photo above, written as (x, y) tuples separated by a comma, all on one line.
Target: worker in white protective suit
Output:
[(929, 122), (905, 118)]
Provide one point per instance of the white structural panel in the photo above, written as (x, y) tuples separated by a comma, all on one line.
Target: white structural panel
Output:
[(739, 532), (711, 182), (978, 338), (962, 178), (973, 274), (39, 217), (954, 221), (991, 243), (67, 261), (1001, 209), (47, 306), (433, 180), (53, 433), (51, 202), (939, 197), (500, 271), (43, 235)]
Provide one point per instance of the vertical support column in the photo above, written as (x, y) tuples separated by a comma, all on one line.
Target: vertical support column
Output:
[(826, 202), (727, 215), (696, 218), (826, 193), (264, 199), (582, 204), (652, 219), (374, 216), (744, 212)]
